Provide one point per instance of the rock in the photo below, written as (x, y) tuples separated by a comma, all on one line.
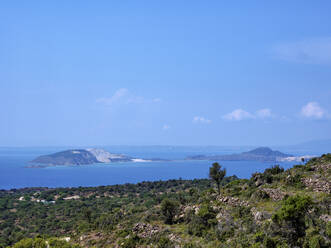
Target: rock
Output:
[(233, 201), (258, 182), (74, 197), (260, 215), (274, 194), (325, 217), (245, 186), (258, 179), (67, 239), (196, 209), (174, 238), (224, 216), (318, 184), (144, 230)]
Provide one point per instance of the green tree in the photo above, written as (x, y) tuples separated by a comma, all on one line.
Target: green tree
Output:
[(217, 174), (293, 211), (169, 209), (87, 213)]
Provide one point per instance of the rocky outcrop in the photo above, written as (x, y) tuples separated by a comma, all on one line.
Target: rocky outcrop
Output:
[(258, 179), (260, 216), (225, 221), (145, 230), (318, 184), (233, 201), (274, 194)]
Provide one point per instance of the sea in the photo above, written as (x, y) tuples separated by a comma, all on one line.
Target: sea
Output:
[(15, 174)]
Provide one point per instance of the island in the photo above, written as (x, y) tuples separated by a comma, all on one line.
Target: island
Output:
[(81, 157), (264, 154)]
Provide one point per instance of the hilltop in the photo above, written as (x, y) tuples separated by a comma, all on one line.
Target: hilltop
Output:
[(276, 208)]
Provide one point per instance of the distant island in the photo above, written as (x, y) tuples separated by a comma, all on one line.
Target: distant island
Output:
[(88, 156), (82, 157), (264, 154)]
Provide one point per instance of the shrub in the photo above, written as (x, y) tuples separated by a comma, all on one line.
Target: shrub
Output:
[(31, 243), (196, 226), (328, 229), (315, 242), (164, 242), (191, 245), (169, 209), (130, 242), (295, 180), (293, 211), (274, 170), (56, 243), (260, 195), (202, 221), (207, 215)]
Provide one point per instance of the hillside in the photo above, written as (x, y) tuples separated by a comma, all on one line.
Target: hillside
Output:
[(276, 208), (259, 154)]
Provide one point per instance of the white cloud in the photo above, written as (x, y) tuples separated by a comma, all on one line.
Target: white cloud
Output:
[(312, 51), (314, 111), (118, 95), (124, 96), (165, 127), (200, 119), (240, 114), (263, 113)]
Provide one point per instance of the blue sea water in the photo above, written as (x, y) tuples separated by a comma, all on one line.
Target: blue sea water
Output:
[(14, 174)]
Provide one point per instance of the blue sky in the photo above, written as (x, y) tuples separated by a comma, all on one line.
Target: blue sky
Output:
[(170, 72)]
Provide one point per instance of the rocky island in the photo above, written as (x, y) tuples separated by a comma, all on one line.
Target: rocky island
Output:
[(81, 157)]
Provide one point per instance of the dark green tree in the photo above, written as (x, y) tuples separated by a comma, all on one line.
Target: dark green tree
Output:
[(87, 213), (216, 173), (169, 209), (293, 211)]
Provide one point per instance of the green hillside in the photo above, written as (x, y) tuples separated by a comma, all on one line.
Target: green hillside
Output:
[(277, 208)]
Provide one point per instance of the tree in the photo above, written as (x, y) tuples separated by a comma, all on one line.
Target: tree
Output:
[(294, 210), (169, 209), (217, 174), (87, 213)]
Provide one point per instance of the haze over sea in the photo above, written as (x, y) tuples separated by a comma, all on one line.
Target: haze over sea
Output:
[(13, 173)]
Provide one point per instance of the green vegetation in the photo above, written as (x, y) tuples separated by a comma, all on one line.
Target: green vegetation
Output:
[(294, 210), (43, 243), (169, 209), (217, 174), (276, 208)]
